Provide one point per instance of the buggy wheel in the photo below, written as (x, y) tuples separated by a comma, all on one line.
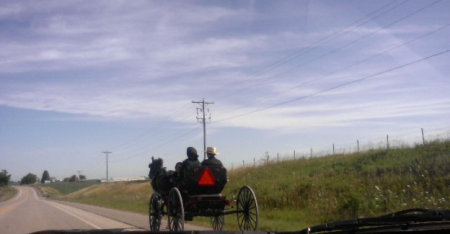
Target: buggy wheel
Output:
[(175, 210), (217, 222), (155, 212), (247, 209)]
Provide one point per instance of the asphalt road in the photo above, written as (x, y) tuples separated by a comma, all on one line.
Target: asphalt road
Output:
[(28, 212)]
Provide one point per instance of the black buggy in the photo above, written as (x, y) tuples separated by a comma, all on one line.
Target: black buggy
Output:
[(198, 193)]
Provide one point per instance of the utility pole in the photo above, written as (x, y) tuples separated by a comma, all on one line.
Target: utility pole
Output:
[(107, 154), (423, 137), (387, 141), (202, 104)]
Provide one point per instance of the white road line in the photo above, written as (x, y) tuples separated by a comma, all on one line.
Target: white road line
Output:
[(97, 221), (64, 209), (101, 222)]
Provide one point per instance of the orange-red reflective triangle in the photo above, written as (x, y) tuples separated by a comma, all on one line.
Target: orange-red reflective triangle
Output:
[(207, 178)]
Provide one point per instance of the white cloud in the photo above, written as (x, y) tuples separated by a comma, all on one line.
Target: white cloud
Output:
[(164, 54), (332, 114)]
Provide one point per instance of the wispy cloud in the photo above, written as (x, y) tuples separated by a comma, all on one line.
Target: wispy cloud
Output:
[(164, 54)]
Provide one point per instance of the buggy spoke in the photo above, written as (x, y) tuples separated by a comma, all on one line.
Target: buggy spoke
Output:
[(247, 209)]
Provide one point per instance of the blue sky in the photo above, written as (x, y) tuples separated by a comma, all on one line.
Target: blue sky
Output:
[(81, 77)]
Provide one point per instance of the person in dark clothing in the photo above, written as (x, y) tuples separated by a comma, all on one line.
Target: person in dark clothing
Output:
[(191, 161), (211, 152)]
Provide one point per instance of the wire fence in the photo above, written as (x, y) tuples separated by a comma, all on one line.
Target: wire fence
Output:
[(389, 141)]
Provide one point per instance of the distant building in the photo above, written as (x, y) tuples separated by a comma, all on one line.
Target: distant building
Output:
[(54, 180), (126, 179)]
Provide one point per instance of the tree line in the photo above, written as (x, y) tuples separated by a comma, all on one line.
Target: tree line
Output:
[(31, 178)]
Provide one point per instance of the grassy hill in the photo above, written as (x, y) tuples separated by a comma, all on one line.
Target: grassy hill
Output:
[(68, 187), (340, 187), (296, 194), (6, 193)]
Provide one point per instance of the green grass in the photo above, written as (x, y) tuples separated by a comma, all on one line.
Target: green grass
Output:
[(293, 195), (340, 187), (129, 196), (6, 193), (69, 187)]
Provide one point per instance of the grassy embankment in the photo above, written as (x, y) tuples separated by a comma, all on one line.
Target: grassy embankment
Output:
[(7, 192), (63, 188), (130, 196), (296, 194)]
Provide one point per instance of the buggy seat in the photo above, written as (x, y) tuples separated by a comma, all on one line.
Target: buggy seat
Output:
[(203, 180)]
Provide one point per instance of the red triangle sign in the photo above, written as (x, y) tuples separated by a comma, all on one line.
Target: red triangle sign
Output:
[(207, 178)]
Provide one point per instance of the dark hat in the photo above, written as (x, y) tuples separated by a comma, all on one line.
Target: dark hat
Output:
[(191, 151)]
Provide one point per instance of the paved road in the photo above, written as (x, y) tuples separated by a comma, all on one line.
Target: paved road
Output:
[(27, 212)]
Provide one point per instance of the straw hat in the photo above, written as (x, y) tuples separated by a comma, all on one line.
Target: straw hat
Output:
[(212, 150)]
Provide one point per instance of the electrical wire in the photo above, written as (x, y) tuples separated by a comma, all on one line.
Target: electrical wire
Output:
[(146, 132), (279, 74), (333, 35), (157, 146), (374, 56), (375, 75)]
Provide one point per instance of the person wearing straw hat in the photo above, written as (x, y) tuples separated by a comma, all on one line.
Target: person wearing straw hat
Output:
[(211, 152)]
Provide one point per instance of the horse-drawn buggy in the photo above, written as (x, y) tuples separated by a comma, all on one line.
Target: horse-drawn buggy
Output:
[(197, 192)]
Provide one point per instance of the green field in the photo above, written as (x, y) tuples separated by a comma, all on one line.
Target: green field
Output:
[(296, 194), (7, 192)]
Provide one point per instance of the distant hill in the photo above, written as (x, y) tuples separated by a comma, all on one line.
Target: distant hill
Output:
[(296, 194)]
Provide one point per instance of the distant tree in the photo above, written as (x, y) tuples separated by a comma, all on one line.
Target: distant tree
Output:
[(45, 176), (4, 178), (66, 179), (82, 177), (73, 178), (29, 179)]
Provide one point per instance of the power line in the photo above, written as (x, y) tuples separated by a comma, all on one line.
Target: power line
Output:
[(279, 74), (337, 86), (157, 146), (345, 30), (347, 45), (375, 55), (356, 40), (152, 131), (374, 14), (333, 35)]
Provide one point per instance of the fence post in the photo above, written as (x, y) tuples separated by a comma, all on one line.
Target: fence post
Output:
[(254, 162), (310, 153), (357, 145), (243, 163), (294, 154), (423, 137), (333, 148), (278, 157)]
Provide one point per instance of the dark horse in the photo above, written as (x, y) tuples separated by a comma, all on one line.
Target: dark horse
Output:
[(162, 180)]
